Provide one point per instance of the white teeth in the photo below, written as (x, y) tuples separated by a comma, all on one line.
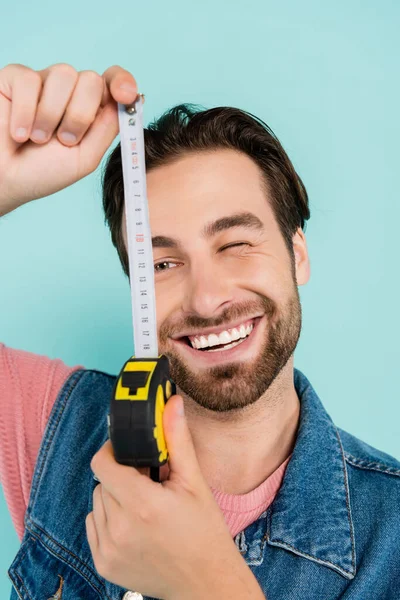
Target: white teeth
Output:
[(203, 342), (225, 337), (213, 340), (235, 334), (226, 347)]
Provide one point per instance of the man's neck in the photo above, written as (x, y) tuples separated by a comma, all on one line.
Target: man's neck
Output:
[(253, 441)]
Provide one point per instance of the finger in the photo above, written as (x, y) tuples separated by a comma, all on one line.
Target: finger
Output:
[(99, 511), (109, 502), (7, 144), (59, 84), (82, 108), (21, 86), (119, 480), (111, 505), (120, 86), (91, 533), (182, 459), (99, 137)]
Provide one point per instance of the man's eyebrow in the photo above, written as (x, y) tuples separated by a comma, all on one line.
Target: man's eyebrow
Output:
[(245, 219), (162, 241)]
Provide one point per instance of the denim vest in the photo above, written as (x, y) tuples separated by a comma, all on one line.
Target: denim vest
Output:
[(333, 530)]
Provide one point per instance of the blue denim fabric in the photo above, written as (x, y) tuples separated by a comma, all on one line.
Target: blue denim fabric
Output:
[(332, 532)]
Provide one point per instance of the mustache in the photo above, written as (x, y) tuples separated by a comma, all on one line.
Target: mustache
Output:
[(235, 312)]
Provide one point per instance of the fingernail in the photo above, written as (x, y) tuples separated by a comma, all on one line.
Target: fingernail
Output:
[(128, 87), (67, 137), (21, 132), (39, 135)]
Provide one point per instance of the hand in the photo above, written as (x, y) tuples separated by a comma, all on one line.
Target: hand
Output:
[(160, 539), (77, 115)]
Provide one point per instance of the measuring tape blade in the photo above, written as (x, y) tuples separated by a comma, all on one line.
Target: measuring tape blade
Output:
[(140, 251), (135, 422)]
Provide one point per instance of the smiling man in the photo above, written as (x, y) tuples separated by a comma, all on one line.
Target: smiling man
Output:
[(263, 495), (228, 307)]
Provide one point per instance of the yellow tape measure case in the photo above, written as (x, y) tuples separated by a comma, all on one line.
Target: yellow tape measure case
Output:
[(137, 406)]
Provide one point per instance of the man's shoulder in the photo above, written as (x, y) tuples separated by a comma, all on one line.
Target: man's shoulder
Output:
[(95, 386), (84, 374), (360, 455)]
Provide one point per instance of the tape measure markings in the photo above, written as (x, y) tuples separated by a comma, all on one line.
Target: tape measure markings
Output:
[(140, 251)]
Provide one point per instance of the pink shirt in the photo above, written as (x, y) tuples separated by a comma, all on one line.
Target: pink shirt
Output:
[(29, 385)]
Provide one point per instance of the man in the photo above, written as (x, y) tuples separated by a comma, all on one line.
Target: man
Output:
[(263, 496)]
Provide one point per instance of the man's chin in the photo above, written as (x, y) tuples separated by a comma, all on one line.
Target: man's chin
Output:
[(219, 388)]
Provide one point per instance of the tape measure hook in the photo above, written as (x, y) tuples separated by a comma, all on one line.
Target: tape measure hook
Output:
[(131, 108)]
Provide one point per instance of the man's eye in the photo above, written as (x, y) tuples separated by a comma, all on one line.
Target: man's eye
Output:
[(235, 244), (165, 262)]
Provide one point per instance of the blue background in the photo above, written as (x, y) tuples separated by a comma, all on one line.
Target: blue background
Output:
[(325, 77)]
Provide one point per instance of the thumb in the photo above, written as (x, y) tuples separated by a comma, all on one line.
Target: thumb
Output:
[(182, 460)]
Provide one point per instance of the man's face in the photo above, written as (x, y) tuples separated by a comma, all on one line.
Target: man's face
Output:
[(225, 268)]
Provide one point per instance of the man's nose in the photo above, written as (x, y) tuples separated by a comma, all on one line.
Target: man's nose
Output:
[(206, 290)]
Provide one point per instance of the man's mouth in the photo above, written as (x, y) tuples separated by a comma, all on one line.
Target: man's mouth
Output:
[(227, 338), (221, 342)]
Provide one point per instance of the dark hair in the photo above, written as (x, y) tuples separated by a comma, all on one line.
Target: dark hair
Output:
[(189, 128)]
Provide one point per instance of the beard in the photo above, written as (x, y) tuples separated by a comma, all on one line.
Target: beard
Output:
[(238, 384)]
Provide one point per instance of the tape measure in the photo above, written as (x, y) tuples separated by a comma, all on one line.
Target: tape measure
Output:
[(143, 385)]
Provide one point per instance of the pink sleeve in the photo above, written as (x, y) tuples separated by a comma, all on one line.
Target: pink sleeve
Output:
[(29, 385)]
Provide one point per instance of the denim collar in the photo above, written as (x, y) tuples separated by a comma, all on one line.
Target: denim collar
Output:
[(311, 515)]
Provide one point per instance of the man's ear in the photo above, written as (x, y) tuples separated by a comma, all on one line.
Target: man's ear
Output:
[(301, 257)]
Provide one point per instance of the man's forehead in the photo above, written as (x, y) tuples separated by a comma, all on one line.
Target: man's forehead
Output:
[(206, 184), (206, 168), (230, 193)]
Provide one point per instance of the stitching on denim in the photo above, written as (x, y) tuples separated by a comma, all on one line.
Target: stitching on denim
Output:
[(289, 546), (346, 483), (12, 572), (21, 554), (74, 379), (14, 583), (319, 560), (268, 519), (262, 546), (76, 568), (23, 586), (258, 559), (371, 466), (240, 541), (246, 546)]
